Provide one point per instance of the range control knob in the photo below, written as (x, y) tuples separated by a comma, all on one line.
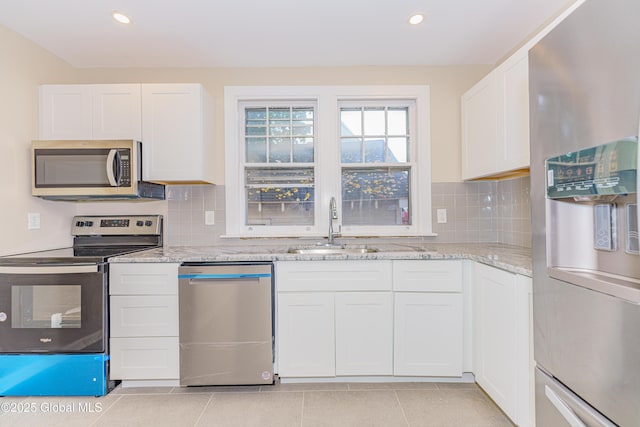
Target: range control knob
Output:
[(139, 223), (89, 223), (79, 223), (148, 223)]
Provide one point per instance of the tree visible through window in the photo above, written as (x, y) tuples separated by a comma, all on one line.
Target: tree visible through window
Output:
[(376, 174)]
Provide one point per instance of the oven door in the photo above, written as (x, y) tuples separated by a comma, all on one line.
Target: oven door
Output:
[(53, 309)]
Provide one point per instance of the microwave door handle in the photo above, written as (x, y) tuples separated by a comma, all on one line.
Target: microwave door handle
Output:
[(113, 159)]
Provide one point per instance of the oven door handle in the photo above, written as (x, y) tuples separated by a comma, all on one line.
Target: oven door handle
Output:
[(49, 269)]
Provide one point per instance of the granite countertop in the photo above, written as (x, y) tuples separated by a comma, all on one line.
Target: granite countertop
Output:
[(514, 259)]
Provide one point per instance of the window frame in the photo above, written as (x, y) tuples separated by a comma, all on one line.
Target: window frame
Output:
[(327, 100)]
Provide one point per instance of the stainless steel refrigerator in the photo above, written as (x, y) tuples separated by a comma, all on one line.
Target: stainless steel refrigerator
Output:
[(584, 112)]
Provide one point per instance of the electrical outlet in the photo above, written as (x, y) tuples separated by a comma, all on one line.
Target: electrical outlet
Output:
[(442, 216), (209, 218), (33, 221)]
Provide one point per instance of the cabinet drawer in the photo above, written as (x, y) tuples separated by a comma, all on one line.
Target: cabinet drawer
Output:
[(144, 358), (144, 316), (427, 276), (356, 275), (143, 279)]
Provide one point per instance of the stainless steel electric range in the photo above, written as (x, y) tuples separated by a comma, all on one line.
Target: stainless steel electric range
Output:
[(54, 315)]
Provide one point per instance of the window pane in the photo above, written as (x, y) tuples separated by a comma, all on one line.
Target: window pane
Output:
[(279, 130), (351, 150), (279, 114), (374, 150), (375, 196), (256, 130), (350, 122), (397, 150), (303, 113), (303, 150), (374, 121), (256, 113), (305, 130), (279, 150), (256, 150), (277, 196), (397, 121)]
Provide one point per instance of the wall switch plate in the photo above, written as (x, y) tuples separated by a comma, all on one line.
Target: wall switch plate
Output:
[(442, 216), (209, 218), (33, 221)]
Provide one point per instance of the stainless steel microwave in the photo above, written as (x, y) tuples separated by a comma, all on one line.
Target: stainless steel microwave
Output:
[(90, 170)]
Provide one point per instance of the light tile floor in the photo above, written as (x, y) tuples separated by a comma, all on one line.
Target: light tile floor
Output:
[(300, 405)]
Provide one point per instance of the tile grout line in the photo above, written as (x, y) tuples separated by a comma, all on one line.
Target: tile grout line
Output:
[(204, 410), (302, 410), (404, 415), (108, 409)]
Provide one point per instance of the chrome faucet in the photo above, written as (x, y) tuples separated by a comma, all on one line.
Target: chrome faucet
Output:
[(333, 215)]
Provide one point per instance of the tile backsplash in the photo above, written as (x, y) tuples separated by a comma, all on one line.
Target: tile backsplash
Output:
[(483, 211)]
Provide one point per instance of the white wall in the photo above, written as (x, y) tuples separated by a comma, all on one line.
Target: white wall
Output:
[(23, 66)]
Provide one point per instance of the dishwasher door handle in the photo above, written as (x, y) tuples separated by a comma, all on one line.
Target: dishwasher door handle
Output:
[(224, 276)]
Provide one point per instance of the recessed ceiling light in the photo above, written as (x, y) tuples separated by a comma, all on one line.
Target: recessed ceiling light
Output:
[(416, 19), (120, 17)]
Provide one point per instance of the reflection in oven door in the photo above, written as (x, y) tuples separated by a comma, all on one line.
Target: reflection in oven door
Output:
[(46, 306)]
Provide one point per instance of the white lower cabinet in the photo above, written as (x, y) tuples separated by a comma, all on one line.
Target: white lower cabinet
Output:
[(306, 334), (502, 344), (369, 318), (334, 318), (364, 333), (143, 340), (428, 334), (428, 318)]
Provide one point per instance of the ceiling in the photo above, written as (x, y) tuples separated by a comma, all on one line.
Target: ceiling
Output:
[(272, 33)]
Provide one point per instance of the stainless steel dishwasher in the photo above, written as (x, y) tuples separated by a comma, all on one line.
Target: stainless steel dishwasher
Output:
[(226, 323)]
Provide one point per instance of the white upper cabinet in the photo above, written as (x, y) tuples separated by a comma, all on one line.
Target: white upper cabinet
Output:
[(90, 112), (177, 133), (512, 78), (495, 121), (479, 129), (116, 111), (173, 121)]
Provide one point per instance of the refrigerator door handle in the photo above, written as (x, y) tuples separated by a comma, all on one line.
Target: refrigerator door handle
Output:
[(563, 408)]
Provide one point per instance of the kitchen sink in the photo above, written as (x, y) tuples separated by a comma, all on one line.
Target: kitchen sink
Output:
[(331, 250)]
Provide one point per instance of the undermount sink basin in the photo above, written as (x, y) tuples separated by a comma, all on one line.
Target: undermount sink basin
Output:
[(328, 250)]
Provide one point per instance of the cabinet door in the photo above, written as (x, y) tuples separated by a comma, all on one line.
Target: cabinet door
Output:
[(143, 315), (364, 333), (427, 276), (428, 334), (154, 278), (306, 335), (65, 112), (513, 112), (149, 358), (174, 146), (495, 337), (479, 129), (117, 111)]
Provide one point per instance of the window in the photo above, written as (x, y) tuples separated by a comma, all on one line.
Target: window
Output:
[(375, 148), (279, 164), (288, 150)]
